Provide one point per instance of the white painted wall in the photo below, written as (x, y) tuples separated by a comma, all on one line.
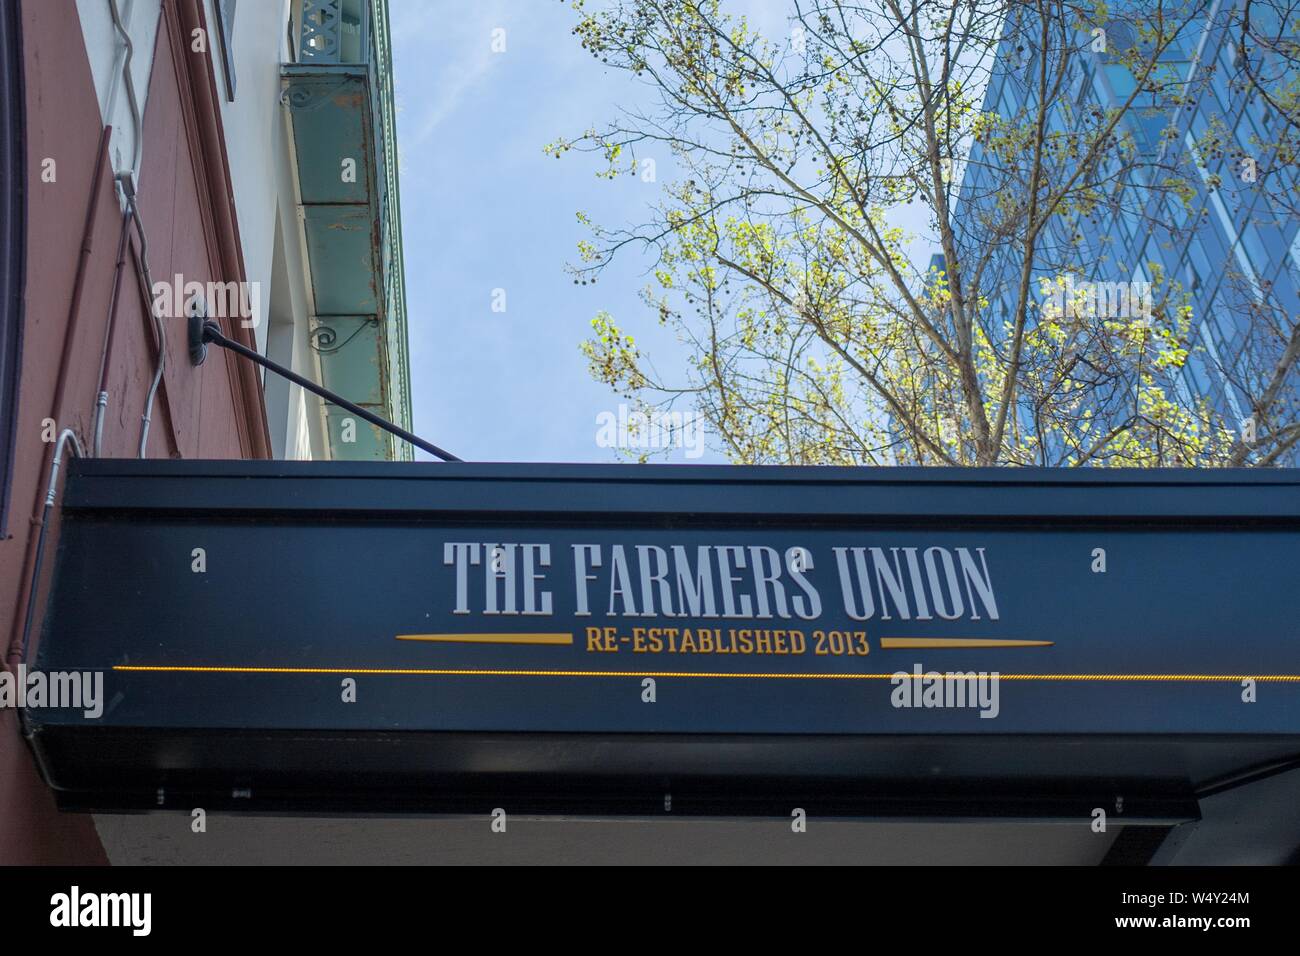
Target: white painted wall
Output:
[(106, 53), (263, 177), (259, 152), (254, 135)]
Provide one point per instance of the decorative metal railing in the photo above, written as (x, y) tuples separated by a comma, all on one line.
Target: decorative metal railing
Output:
[(333, 31)]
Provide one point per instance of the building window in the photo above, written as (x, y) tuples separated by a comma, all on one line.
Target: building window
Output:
[(1255, 251), (226, 33), (1121, 80)]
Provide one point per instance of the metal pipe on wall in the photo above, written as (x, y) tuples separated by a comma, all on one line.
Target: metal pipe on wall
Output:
[(25, 595), (106, 351)]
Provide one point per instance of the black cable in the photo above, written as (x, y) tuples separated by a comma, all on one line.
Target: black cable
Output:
[(212, 333)]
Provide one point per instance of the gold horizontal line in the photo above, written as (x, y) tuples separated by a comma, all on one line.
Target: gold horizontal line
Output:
[(468, 672), (490, 638), (942, 642)]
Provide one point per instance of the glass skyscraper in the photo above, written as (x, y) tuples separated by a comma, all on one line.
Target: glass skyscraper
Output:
[(1201, 189)]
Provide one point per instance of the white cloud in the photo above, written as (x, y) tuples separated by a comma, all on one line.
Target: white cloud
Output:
[(432, 90)]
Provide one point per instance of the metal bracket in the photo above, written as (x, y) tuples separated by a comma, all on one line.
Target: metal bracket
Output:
[(195, 319)]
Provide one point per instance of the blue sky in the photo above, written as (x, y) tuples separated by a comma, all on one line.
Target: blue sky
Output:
[(484, 209)]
